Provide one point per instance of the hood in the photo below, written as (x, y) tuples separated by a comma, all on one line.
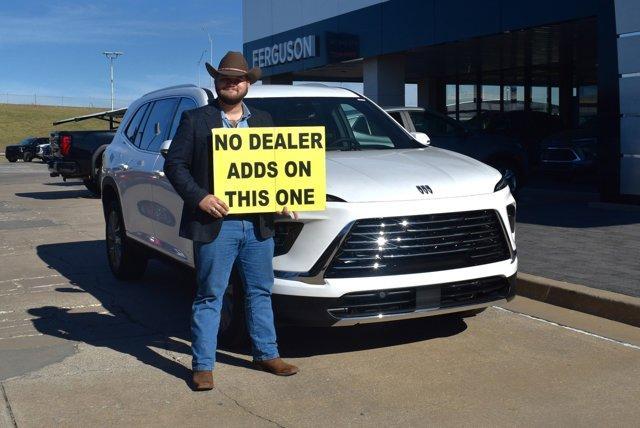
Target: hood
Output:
[(393, 175)]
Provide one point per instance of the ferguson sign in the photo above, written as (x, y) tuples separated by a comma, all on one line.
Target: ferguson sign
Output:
[(289, 51)]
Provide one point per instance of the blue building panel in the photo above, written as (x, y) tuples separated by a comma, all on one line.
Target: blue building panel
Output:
[(462, 19), (406, 25), (400, 25)]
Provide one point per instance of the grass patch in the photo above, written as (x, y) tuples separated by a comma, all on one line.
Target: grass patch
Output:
[(20, 121)]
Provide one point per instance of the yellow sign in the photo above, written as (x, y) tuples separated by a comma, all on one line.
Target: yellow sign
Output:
[(265, 169)]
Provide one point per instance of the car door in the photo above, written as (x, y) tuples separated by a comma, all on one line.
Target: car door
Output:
[(167, 201), (139, 200), (128, 158)]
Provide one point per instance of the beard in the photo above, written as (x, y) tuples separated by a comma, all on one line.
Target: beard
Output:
[(230, 99)]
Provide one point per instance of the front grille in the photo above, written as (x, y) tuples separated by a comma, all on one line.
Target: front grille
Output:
[(423, 243), (406, 300)]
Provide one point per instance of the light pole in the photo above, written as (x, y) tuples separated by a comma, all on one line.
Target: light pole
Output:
[(199, 64), (111, 56), (210, 50)]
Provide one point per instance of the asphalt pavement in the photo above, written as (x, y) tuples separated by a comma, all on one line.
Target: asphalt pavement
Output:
[(79, 348)]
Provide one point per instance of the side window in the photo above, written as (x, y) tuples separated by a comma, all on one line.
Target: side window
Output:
[(185, 104), (134, 124), (157, 126), (432, 124)]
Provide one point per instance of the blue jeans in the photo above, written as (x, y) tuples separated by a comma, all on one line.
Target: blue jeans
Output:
[(213, 261)]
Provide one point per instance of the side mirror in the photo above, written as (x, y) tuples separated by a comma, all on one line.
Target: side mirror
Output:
[(421, 138), (164, 148)]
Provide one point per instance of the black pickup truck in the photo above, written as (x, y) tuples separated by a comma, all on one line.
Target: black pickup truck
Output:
[(78, 154), (26, 150)]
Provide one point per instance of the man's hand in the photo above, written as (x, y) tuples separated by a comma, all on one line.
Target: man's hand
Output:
[(288, 213), (214, 206)]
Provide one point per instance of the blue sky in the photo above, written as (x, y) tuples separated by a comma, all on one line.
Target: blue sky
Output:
[(54, 48)]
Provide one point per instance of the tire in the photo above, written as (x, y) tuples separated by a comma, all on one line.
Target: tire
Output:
[(27, 157), (93, 184), (12, 159), (126, 259), (233, 326)]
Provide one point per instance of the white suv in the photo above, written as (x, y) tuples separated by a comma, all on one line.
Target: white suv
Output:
[(409, 230)]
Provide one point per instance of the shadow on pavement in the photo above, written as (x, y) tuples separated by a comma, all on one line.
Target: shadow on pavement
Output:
[(154, 312), (60, 194)]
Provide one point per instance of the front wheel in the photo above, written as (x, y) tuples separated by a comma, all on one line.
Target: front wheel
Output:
[(27, 157), (126, 259), (93, 184)]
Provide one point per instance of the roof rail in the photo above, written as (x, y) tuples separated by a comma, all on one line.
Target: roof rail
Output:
[(186, 85)]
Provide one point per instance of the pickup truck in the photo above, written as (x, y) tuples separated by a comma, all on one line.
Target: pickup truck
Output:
[(25, 150), (78, 154)]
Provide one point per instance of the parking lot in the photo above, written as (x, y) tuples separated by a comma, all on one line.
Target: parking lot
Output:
[(79, 348)]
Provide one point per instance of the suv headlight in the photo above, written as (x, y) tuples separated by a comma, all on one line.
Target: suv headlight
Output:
[(331, 198), (504, 182)]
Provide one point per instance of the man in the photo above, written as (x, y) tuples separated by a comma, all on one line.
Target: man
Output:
[(220, 239)]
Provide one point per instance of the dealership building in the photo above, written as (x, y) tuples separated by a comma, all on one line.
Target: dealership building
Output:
[(577, 60)]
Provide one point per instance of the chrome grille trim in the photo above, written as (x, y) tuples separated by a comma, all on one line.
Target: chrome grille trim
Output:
[(393, 245)]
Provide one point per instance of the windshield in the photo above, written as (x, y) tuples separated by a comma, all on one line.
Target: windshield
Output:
[(350, 123), (27, 141)]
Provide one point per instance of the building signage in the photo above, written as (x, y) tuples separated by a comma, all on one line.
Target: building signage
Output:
[(281, 53)]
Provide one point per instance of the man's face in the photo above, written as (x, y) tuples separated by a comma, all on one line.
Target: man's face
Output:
[(231, 90)]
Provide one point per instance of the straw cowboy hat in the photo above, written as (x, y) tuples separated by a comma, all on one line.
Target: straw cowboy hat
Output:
[(233, 64)]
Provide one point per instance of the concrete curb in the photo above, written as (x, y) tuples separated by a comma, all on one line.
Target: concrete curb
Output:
[(605, 304)]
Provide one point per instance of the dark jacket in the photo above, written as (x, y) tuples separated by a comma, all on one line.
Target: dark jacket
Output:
[(188, 168)]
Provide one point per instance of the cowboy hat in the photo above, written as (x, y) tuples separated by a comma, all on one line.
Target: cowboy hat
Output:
[(233, 64)]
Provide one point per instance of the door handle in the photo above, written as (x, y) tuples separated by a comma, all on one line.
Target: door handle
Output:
[(158, 173), (122, 167)]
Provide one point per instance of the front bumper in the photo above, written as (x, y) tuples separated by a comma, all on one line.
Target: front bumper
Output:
[(383, 305)]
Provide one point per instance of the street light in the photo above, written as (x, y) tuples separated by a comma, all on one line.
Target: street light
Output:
[(111, 56), (210, 50)]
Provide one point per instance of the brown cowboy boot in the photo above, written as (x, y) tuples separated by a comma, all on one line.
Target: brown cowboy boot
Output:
[(202, 380), (276, 366)]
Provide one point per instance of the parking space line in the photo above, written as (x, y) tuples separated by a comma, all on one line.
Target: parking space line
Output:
[(576, 330)]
